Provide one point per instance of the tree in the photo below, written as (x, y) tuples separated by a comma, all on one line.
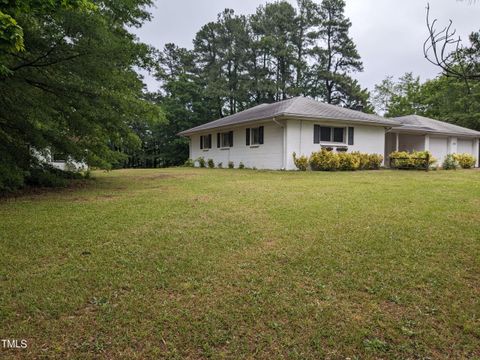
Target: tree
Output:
[(336, 56), (304, 38), (274, 25), (184, 101), (11, 31), (399, 98), (74, 88)]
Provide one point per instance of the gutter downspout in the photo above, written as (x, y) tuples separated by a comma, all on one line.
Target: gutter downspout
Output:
[(284, 164)]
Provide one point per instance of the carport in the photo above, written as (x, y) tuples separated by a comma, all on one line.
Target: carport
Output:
[(418, 133)]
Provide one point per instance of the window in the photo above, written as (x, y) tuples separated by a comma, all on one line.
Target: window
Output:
[(328, 134), (225, 139), (254, 136), (325, 133), (338, 135), (206, 141)]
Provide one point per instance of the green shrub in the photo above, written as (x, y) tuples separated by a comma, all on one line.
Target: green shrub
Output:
[(413, 160), (324, 160), (220, 165), (11, 178), (363, 159), (210, 163), (189, 163), (241, 165), (301, 162), (374, 161), (201, 162), (450, 163), (466, 161), (348, 161), (231, 165), (44, 177)]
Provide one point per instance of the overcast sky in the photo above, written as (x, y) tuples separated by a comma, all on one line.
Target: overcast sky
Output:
[(389, 33)]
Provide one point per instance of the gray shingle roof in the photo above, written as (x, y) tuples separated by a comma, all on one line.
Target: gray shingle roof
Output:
[(298, 107), (424, 124)]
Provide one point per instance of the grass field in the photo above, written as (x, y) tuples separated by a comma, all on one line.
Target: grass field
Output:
[(198, 263)]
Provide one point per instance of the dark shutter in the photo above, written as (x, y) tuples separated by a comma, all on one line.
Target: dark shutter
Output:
[(247, 136), (260, 135), (201, 141), (230, 137), (316, 134), (218, 140), (209, 141), (350, 136)]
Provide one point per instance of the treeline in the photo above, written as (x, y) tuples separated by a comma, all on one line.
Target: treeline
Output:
[(241, 61)]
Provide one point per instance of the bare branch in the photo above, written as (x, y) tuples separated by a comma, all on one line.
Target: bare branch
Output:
[(444, 49)]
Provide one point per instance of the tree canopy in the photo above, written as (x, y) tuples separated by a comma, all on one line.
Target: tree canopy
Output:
[(70, 83)]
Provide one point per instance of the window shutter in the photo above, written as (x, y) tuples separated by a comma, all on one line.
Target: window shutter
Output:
[(201, 142), (247, 136), (209, 141), (260, 135), (231, 138), (350, 136), (218, 140), (316, 134)]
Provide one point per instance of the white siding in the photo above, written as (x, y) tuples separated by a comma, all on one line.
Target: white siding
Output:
[(368, 139), (439, 148), (269, 155), (465, 146)]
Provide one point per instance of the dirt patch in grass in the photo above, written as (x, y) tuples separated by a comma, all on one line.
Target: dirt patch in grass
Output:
[(36, 192)]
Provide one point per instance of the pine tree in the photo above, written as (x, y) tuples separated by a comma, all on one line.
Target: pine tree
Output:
[(336, 55)]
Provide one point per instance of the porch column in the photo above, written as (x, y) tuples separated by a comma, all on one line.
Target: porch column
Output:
[(427, 143), (397, 141), (477, 151)]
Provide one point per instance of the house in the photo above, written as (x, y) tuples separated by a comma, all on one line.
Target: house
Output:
[(58, 160), (267, 135)]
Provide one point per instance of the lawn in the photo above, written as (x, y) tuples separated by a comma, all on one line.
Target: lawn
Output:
[(198, 263)]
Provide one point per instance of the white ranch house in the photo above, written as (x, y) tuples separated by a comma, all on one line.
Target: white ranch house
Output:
[(266, 136)]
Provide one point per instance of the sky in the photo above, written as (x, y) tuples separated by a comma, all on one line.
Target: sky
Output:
[(389, 34)]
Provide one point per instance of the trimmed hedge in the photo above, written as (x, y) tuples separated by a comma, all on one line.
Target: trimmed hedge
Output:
[(327, 160), (465, 161), (415, 160), (301, 162)]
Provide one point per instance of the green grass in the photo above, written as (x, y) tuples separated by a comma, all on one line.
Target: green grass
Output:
[(199, 263)]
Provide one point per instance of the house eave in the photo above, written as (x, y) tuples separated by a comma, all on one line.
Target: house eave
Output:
[(288, 116), (432, 132)]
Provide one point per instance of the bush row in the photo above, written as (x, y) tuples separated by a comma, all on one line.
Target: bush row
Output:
[(456, 161), (201, 162), (411, 160), (326, 160), (42, 175), (418, 159)]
